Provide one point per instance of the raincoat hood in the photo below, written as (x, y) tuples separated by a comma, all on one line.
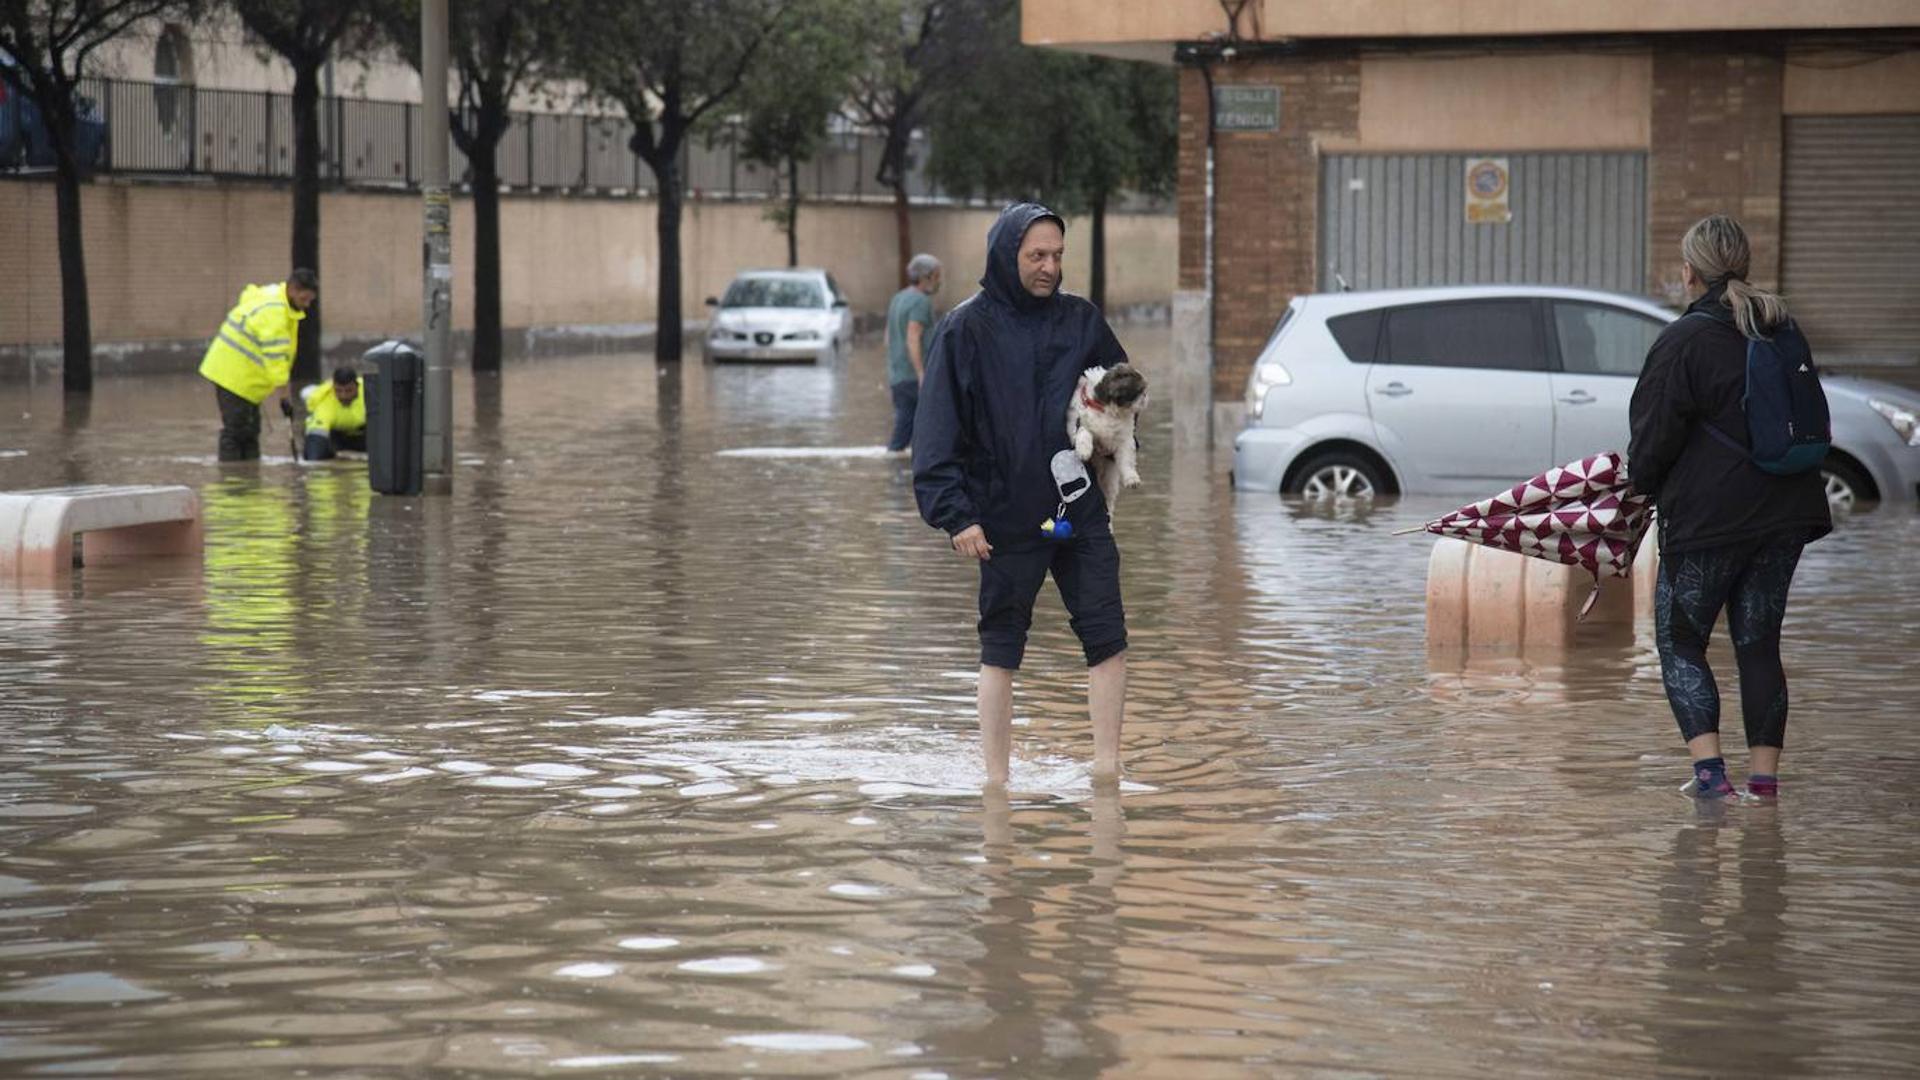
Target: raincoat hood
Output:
[(1001, 282), (253, 296)]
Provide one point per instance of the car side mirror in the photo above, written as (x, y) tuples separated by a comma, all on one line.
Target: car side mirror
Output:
[(839, 303), (712, 302)]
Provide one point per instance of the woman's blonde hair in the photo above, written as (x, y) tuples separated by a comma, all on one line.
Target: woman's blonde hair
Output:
[(1716, 247)]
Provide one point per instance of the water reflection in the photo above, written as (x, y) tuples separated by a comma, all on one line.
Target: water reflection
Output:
[(252, 599), (1724, 927), (633, 758), (1043, 963)]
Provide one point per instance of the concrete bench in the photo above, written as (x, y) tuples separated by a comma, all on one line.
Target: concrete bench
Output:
[(1482, 597), (37, 527)]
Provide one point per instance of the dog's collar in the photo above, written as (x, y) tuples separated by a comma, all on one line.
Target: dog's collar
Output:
[(1087, 400)]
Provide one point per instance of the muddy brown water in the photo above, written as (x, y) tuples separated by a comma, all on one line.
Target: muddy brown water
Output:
[(634, 758)]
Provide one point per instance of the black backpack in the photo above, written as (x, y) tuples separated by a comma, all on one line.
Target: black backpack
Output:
[(1789, 430)]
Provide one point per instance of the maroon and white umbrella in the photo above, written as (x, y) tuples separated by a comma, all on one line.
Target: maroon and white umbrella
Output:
[(1582, 514)]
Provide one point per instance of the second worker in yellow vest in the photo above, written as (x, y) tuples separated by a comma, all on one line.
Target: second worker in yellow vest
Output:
[(336, 415)]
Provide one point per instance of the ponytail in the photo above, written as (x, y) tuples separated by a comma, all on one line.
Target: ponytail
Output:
[(1716, 247), (1755, 311)]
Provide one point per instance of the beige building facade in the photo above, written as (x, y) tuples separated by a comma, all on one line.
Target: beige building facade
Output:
[(1341, 139)]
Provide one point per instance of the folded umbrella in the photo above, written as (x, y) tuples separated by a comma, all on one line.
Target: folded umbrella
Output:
[(1582, 514)]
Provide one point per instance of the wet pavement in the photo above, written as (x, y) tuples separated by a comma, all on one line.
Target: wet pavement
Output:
[(635, 757)]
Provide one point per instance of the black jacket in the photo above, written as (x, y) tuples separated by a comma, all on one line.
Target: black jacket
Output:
[(1709, 494), (1001, 369)]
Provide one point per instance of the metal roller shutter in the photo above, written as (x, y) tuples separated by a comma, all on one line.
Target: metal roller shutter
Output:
[(1394, 220), (1850, 234)]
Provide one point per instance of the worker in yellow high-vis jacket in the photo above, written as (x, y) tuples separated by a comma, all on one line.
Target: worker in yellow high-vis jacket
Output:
[(336, 415), (251, 355)]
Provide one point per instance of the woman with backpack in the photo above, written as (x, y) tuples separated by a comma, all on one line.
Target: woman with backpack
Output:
[(1726, 417)]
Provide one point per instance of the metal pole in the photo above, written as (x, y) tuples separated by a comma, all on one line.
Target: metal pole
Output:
[(437, 293)]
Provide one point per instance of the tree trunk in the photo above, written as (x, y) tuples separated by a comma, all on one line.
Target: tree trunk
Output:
[(76, 323), (893, 174), (903, 228), (793, 212), (486, 247), (306, 209), (666, 342), (1097, 286)]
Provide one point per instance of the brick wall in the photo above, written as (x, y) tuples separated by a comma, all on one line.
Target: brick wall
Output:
[(1267, 198), (1716, 137)]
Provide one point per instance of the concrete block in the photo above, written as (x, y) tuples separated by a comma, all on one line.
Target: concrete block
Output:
[(37, 527), (1482, 597)]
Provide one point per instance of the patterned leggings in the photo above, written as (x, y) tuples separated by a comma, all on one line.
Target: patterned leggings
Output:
[(1750, 580)]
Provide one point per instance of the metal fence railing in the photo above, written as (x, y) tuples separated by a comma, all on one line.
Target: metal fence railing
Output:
[(157, 127)]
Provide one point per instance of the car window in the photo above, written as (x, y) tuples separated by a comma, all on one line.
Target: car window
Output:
[(1496, 334), (1600, 340), (1357, 334), (774, 292)]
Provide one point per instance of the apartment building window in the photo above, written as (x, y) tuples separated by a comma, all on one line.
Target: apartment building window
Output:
[(173, 78)]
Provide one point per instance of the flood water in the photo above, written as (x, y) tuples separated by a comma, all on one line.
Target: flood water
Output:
[(632, 757)]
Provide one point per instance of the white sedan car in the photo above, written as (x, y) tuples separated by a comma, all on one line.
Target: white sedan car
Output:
[(780, 315), (1465, 389)]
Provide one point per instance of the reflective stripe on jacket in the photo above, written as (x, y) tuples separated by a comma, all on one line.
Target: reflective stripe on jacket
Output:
[(325, 413), (252, 352)]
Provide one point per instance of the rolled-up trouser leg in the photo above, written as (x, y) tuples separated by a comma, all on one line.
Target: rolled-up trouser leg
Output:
[(1087, 573), (906, 399), (1009, 582), (239, 426), (1086, 570)]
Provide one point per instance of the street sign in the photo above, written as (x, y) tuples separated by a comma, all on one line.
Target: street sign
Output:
[(1246, 108), (1487, 191)]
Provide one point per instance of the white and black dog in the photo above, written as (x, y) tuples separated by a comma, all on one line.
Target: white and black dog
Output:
[(1101, 421)]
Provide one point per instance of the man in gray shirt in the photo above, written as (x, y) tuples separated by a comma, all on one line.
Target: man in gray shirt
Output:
[(909, 324)]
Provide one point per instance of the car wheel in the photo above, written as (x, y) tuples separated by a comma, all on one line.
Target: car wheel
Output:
[(1846, 488), (1338, 475)]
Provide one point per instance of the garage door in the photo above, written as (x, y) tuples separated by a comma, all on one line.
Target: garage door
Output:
[(1850, 233), (1394, 220)]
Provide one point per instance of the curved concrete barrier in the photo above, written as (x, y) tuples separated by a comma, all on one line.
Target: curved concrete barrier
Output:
[(1480, 597), (37, 527)]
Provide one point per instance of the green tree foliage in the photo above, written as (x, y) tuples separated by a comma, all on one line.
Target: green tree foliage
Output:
[(48, 44), (920, 50), (1072, 131), (791, 97), (497, 48), (306, 33), (669, 64)]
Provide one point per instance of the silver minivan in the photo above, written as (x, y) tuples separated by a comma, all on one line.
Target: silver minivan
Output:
[(1463, 389)]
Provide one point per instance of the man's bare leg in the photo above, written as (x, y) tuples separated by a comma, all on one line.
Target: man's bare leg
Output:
[(1107, 706), (996, 721)]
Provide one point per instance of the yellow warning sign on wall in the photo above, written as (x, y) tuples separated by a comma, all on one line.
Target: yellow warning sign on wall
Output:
[(1487, 188)]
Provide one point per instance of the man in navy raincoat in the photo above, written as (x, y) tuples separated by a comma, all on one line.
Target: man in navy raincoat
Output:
[(1001, 370)]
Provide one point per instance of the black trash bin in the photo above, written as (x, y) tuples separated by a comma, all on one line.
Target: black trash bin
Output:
[(396, 381)]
